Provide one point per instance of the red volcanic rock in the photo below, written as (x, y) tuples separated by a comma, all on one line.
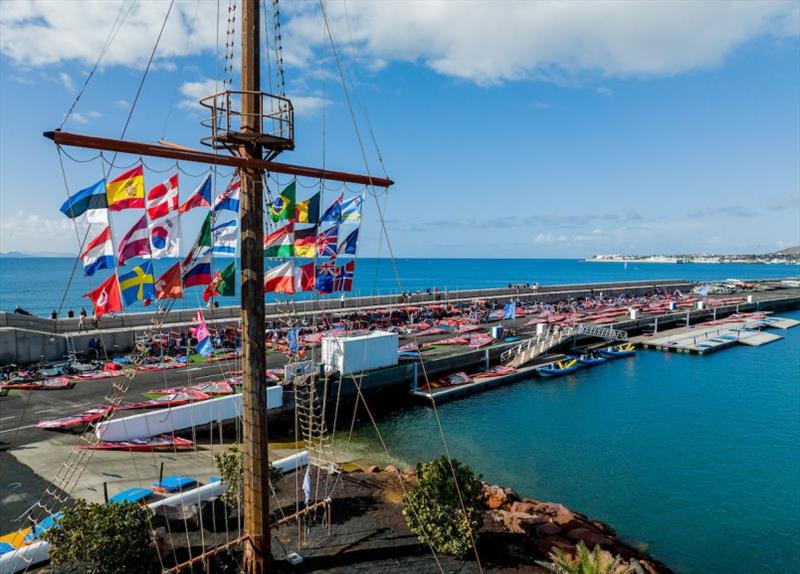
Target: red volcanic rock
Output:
[(390, 468), (524, 506), (546, 529), (520, 522), (547, 544), (372, 468), (590, 537)]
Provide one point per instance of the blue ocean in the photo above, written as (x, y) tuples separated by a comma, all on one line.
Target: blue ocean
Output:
[(39, 284), (695, 458)]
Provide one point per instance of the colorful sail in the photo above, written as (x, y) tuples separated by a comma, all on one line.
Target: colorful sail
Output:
[(90, 204), (305, 242), (106, 298), (223, 283), (280, 279), (99, 253), (169, 285), (343, 276), (308, 211), (348, 246), (224, 237), (280, 243), (138, 284), (126, 191), (351, 210), (201, 196), (135, 243), (283, 207), (228, 200), (327, 242)]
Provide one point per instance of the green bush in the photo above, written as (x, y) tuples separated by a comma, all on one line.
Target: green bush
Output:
[(434, 513), (103, 539), (230, 463), (585, 562)]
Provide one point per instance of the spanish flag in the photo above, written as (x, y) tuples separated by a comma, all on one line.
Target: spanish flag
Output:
[(127, 190), (308, 211)]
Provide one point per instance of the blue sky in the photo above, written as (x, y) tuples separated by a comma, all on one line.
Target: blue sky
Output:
[(511, 129)]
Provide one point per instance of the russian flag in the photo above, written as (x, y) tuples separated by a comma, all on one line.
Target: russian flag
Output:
[(99, 254), (198, 272)]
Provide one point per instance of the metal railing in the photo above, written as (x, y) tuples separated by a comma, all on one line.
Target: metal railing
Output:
[(602, 332), (272, 124)]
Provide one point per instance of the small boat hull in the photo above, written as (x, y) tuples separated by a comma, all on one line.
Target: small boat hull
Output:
[(559, 368), (618, 352), (591, 361)]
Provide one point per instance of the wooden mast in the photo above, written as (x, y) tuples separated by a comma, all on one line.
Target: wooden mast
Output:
[(257, 547)]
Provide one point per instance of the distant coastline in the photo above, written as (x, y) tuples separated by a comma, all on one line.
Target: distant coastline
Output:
[(786, 257)]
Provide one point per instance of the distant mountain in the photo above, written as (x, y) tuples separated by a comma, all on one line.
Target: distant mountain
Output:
[(27, 254), (789, 251)]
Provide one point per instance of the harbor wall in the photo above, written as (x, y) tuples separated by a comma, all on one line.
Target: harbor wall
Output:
[(23, 338)]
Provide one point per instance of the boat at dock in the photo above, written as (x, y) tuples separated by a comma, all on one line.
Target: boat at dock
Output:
[(559, 368), (618, 351), (591, 360)]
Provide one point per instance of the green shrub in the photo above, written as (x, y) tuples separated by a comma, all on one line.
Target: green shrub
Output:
[(230, 463), (434, 513), (103, 539), (585, 562)]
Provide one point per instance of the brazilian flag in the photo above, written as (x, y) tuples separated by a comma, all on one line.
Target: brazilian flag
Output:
[(282, 208)]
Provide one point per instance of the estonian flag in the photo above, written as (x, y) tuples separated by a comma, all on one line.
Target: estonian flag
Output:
[(91, 204)]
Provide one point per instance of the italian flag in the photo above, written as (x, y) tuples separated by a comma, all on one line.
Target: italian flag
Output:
[(280, 279), (280, 243)]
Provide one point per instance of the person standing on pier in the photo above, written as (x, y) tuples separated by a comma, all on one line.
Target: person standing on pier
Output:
[(82, 321)]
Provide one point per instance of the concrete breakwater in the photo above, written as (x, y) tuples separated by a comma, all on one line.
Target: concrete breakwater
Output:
[(27, 339)]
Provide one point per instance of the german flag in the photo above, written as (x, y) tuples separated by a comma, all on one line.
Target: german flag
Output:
[(304, 242)]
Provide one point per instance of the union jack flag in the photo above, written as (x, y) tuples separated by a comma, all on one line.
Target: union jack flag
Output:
[(343, 276), (327, 242)]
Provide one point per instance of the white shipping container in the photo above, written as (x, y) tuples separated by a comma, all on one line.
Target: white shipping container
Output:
[(361, 352)]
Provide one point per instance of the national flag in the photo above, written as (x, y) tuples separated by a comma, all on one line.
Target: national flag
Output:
[(326, 242), (224, 236), (202, 245), (201, 196), (136, 242), (223, 283), (280, 279), (351, 209), (138, 285), (165, 236), (280, 243), (197, 271), (283, 208), (304, 277), (334, 212), (307, 486), (105, 298), (228, 200), (169, 286), (343, 276), (348, 246), (325, 273), (308, 211), (292, 339), (305, 242), (127, 190), (510, 310), (162, 200), (99, 253), (203, 347), (90, 204)]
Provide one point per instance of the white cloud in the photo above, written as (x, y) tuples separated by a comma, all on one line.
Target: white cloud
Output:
[(23, 230), (66, 80), (483, 42), (193, 91), (491, 42), (307, 105), (84, 117)]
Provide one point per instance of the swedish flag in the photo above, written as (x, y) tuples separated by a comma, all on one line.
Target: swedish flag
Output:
[(138, 285)]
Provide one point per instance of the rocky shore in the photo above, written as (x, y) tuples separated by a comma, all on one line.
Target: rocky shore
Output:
[(522, 530)]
